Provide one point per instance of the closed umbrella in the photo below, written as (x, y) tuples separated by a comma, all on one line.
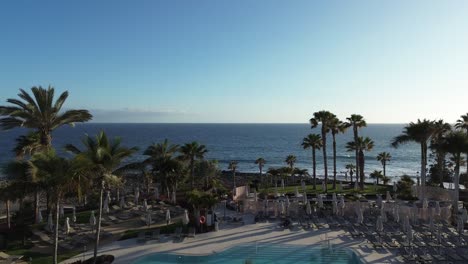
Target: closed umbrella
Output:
[(276, 208), (67, 226), (276, 191), (397, 214), (320, 201), (156, 192), (118, 195), (283, 209), (282, 184), (395, 188), (335, 207), (379, 200), (388, 196), (379, 224), (431, 224), (409, 235), (439, 236), (304, 196), (74, 214), (62, 212), (323, 186), (360, 216), (145, 205), (296, 193), (356, 187), (308, 208), (92, 219), (122, 202), (334, 197), (39, 217), (342, 205), (168, 217), (383, 215), (50, 223), (186, 219), (174, 197), (437, 208), (106, 204), (406, 223), (303, 186), (255, 195), (148, 219), (137, 194), (425, 203), (287, 205)]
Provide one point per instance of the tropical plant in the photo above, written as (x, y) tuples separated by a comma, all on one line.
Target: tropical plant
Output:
[(362, 144), (437, 141), (356, 121), (233, 167), (60, 175), (100, 158), (260, 162), (384, 157), (190, 152), (273, 172), (376, 175), (404, 186), (456, 143), (351, 169), (336, 127), (291, 160), (207, 171), (314, 142), (462, 124), (419, 132), (325, 118)]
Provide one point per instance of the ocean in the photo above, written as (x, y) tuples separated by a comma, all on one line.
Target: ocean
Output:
[(243, 143)]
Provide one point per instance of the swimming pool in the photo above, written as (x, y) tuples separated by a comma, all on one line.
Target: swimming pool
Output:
[(261, 254)]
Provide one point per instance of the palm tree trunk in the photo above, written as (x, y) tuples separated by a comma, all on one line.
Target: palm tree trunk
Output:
[(457, 183), (384, 166), (314, 168), (57, 213), (355, 131), (334, 161), (98, 228), (324, 150), (36, 205), (361, 169), (7, 205)]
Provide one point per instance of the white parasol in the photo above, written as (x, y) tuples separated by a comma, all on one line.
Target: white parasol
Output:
[(296, 193), (74, 215), (92, 219), (122, 202), (148, 219), (137, 194), (168, 216), (39, 217), (145, 205), (67, 226), (50, 222)]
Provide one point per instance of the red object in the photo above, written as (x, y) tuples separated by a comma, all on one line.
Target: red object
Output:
[(202, 219)]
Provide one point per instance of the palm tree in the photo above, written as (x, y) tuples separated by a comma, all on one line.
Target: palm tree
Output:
[(419, 132), (456, 143), (58, 173), (260, 162), (336, 127), (100, 158), (190, 152), (437, 141), (314, 142), (356, 121), (291, 160), (232, 167), (274, 175), (40, 113), (362, 144), (384, 157), (462, 123), (324, 117), (376, 174), (351, 168), (158, 151)]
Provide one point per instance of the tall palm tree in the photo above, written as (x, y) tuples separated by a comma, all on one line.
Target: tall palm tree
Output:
[(100, 158), (420, 132), (376, 174), (40, 113), (384, 157), (336, 127), (356, 121), (325, 118), (351, 168), (233, 167), (456, 143), (260, 162), (190, 152), (462, 123), (291, 160), (58, 173), (362, 144), (441, 129), (314, 142), (158, 151)]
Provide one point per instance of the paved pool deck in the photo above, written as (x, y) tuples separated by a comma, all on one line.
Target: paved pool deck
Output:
[(229, 235)]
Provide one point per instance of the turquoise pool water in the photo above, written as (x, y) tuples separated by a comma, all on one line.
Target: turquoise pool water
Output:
[(261, 254)]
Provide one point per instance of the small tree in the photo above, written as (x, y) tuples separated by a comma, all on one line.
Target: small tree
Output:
[(404, 186)]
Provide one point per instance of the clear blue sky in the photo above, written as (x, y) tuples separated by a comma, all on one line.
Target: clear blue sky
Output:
[(241, 61)]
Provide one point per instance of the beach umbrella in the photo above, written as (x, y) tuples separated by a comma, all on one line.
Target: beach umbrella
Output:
[(334, 197), (74, 214), (308, 209), (50, 222), (288, 204), (464, 215), (409, 235), (106, 204), (437, 208), (439, 236), (425, 203), (156, 192), (148, 219), (174, 197), (395, 188), (118, 195), (431, 224), (388, 196), (67, 226), (39, 218), (323, 186), (406, 223), (356, 187), (276, 190), (320, 201), (137, 194), (92, 219), (276, 208), (379, 200), (145, 205), (283, 209), (342, 205), (122, 202), (335, 207), (360, 216), (62, 212), (168, 216), (379, 224), (255, 195), (296, 193), (383, 215), (282, 184), (303, 185), (397, 214)]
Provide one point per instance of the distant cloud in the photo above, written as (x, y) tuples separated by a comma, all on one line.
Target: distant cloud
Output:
[(128, 115)]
